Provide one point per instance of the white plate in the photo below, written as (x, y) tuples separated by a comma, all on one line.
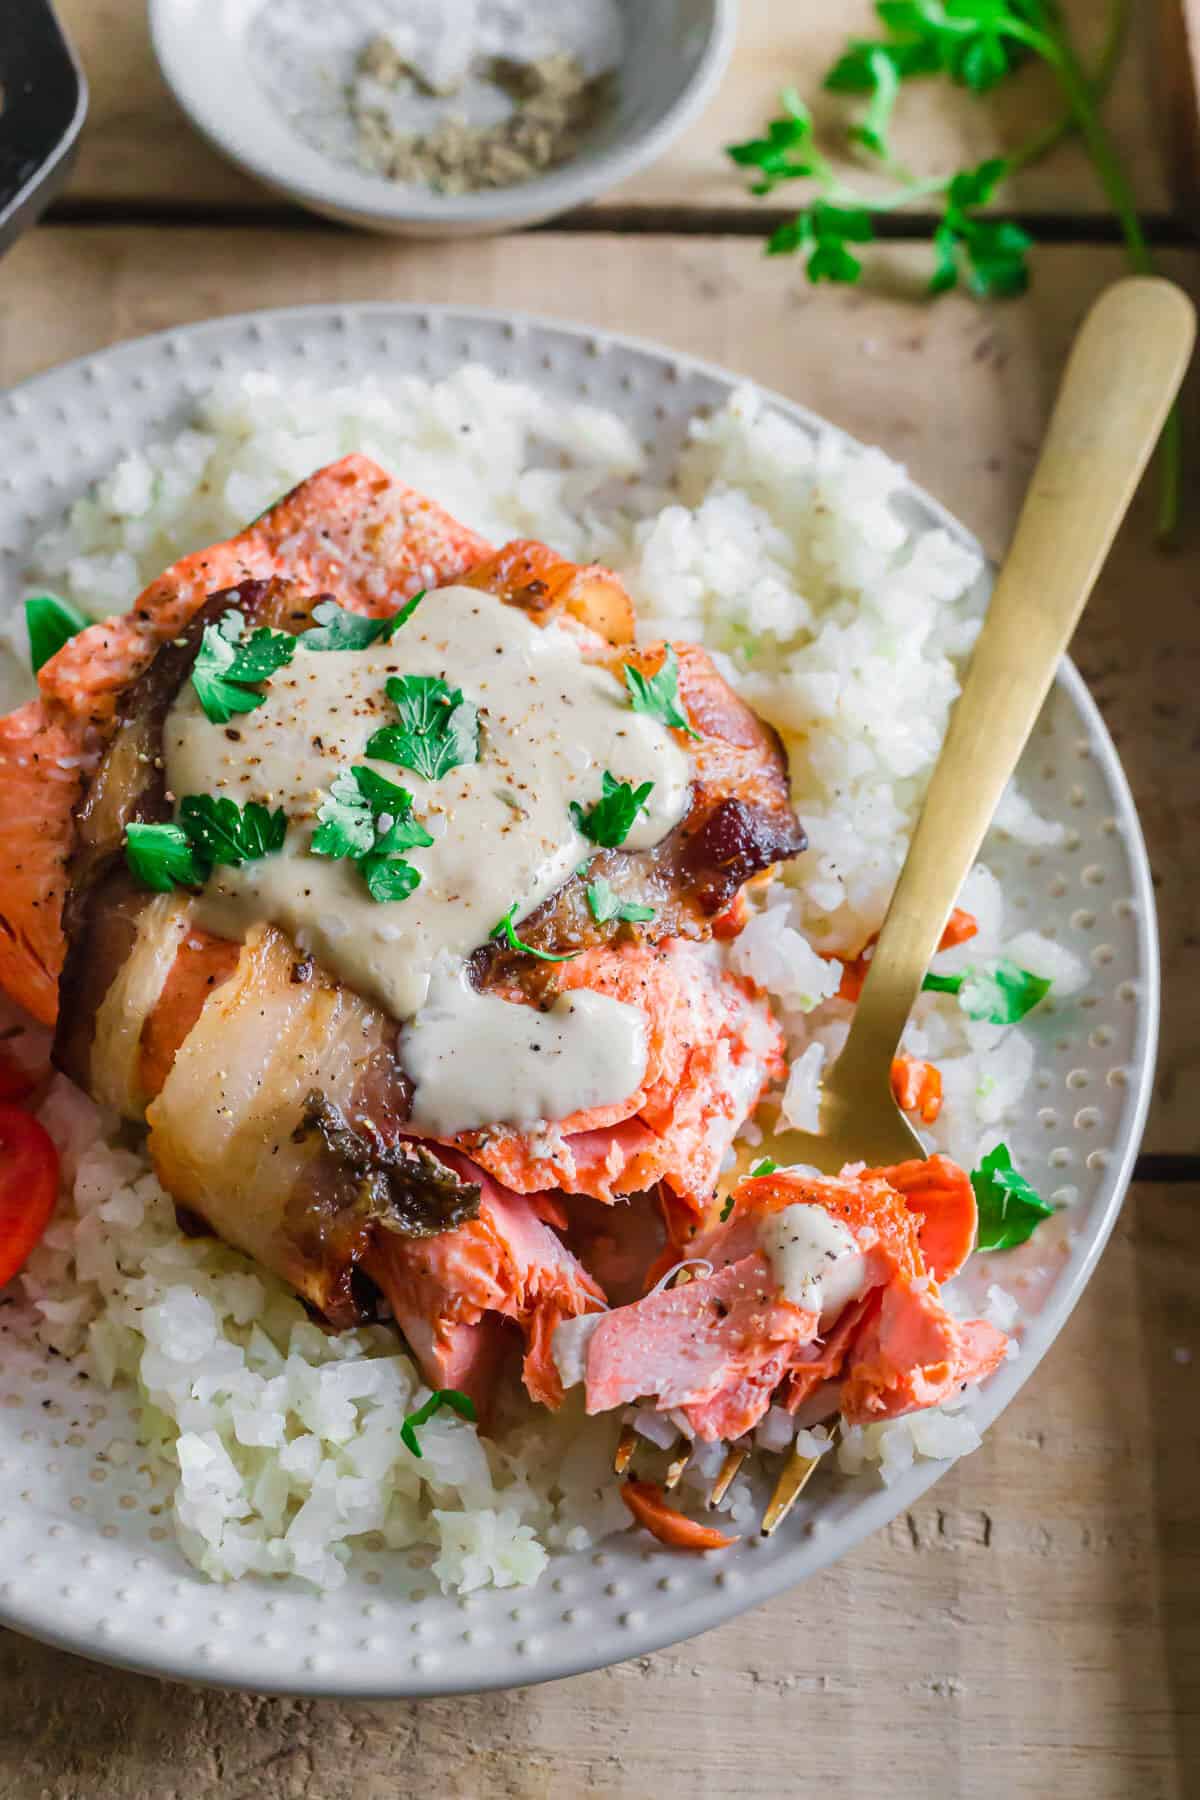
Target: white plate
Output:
[(88, 1561)]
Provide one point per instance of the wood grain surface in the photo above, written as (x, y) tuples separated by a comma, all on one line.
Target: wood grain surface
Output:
[(1030, 1628), (138, 147)]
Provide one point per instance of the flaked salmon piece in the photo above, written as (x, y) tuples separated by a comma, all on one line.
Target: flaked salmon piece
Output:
[(960, 927), (686, 1345), (504, 1263), (940, 1194), (722, 1345), (41, 774), (349, 531), (544, 585), (912, 1354), (713, 1048), (917, 1087)]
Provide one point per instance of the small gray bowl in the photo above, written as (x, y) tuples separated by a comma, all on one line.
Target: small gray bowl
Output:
[(675, 52)]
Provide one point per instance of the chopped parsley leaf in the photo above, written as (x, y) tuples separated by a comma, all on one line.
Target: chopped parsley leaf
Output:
[(1001, 994), (438, 729), (339, 629), (228, 833), (163, 857), (50, 623), (606, 905), (610, 820), (726, 1210), (458, 1402), (1010, 1210), (368, 818), (505, 929), (209, 832), (225, 673), (389, 877), (658, 695)]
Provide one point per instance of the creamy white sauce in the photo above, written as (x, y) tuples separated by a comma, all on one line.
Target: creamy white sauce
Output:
[(550, 725), (569, 1347), (478, 1060), (816, 1260)]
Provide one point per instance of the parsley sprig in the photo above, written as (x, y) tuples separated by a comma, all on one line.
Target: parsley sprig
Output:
[(1010, 1210), (658, 695), (227, 673), (370, 820), (975, 44), (339, 629), (507, 930), (1001, 993), (50, 623), (606, 905), (610, 820), (438, 729), (458, 1402), (209, 832)]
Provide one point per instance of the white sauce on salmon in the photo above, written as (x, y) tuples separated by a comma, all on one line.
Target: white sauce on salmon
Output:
[(478, 1060), (817, 1263), (550, 725)]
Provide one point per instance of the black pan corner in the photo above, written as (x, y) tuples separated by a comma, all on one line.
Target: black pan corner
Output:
[(43, 101)]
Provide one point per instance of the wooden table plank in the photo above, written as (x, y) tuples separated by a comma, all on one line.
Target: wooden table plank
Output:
[(1031, 1627), (138, 147), (956, 391)]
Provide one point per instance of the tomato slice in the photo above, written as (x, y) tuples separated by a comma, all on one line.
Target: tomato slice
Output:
[(28, 1186), (16, 1082)]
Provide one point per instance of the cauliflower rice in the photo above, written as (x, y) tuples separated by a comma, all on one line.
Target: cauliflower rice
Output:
[(845, 627)]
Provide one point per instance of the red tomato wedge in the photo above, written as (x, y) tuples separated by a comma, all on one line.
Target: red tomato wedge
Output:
[(28, 1186), (16, 1082), (648, 1505)]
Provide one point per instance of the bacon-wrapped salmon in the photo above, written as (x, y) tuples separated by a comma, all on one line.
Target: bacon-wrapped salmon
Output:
[(279, 1104)]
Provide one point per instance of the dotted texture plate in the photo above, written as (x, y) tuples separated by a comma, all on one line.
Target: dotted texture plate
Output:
[(87, 1558)]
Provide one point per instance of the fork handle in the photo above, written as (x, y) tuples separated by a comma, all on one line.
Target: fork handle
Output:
[(1124, 371)]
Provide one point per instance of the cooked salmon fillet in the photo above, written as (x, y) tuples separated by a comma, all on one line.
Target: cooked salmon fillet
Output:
[(714, 1047), (351, 531), (505, 1263), (276, 1097)]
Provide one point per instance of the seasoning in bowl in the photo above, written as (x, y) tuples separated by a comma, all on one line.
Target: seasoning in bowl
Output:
[(453, 96)]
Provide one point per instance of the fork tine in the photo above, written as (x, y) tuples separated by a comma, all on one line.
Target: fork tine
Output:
[(791, 1484), (626, 1445), (677, 1465), (734, 1459)]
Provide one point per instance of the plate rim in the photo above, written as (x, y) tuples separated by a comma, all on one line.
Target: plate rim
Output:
[(770, 1576)]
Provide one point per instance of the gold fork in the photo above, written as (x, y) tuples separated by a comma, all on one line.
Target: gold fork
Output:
[(1124, 372)]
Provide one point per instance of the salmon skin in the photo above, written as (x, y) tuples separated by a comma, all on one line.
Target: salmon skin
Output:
[(350, 531)]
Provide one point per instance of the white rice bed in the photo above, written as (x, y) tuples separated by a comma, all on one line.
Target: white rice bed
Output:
[(843, 627)]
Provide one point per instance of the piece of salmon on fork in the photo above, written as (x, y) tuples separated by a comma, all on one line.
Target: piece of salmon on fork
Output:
[(813, 1287)]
